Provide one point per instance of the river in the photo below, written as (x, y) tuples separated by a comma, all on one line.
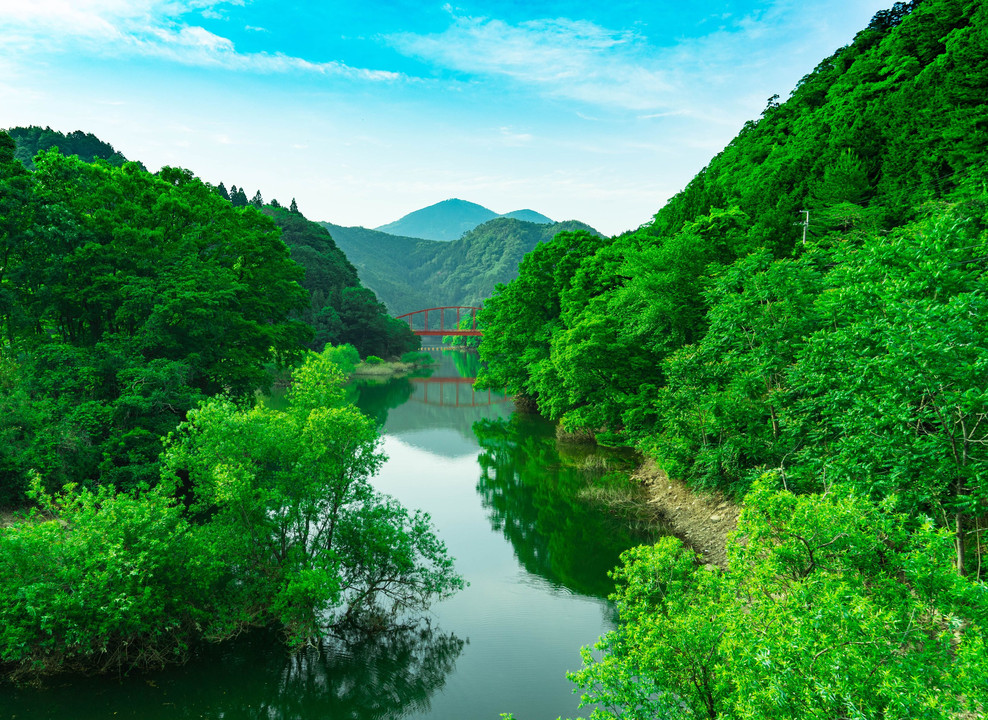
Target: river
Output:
[(511, 505)]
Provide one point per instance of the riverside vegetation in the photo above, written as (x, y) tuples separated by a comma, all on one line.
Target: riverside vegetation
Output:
[(139, 316), (802, 328)]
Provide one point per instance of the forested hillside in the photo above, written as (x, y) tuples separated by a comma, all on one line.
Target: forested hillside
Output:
[(341, 310), (806, 316), (126, 298), (883, 145), (32, 140), (163, 506), (410, 274)]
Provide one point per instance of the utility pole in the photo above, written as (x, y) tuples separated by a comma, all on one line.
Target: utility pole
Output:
[(805, 224)]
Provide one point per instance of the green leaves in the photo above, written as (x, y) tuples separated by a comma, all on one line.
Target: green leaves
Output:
[(102, 581), (283, 529), (830, 607), (128, 296), (292, 509)]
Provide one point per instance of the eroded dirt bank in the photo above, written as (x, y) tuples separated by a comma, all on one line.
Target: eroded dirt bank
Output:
[(701, 519)]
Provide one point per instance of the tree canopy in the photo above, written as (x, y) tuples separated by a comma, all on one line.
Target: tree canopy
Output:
[(126, 297)]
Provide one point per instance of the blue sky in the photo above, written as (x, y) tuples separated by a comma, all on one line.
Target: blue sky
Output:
[(597, 111)]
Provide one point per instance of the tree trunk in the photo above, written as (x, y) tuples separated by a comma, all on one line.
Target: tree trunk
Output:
[(959, 541)]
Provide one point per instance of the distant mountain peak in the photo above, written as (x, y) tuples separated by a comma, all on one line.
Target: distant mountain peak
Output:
[(450, 219)]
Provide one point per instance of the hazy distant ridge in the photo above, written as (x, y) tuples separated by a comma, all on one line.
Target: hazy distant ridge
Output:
[(450, 219)]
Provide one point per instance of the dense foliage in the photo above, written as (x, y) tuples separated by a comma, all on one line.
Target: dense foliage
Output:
[(33, 140), (102, 582), (832, 608), (811, 305), (283, 529), (292, 508), (341, 310), (124, 298), (721, 343)]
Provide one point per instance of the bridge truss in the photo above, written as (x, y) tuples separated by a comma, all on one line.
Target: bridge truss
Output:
[(441, 317)]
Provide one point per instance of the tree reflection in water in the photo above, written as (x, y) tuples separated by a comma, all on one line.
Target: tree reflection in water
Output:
[(536, 494), (385, 675), (375, 399)]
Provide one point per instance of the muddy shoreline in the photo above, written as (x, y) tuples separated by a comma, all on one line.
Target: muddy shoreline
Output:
[(701, 519)]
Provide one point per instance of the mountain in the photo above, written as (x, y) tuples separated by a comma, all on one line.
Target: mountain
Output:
[(449, 219), (410, 273), (387, 263)]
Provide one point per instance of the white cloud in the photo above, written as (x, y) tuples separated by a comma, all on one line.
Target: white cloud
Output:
[(513, 138), (708, 76), (573, 59), (149, 28)]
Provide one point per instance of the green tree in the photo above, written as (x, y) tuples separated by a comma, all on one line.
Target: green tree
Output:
[(135, 295), (889, 393), (721, 411), (831, 606), (293, 510), (523, 315), (466, 322), (103, 582)]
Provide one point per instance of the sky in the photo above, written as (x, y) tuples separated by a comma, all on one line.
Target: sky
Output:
[(365, 111)]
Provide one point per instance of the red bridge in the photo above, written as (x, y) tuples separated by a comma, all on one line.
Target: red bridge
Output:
[(442, 316)]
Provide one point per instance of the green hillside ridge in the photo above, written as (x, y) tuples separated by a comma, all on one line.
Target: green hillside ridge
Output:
[(410, 274), (881, 129), (340, 309), (450, 219), (32, 140), (142, 318), (828, 373)]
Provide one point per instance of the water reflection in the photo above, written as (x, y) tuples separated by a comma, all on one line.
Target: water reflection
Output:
[(536, 493), (377, 399), (433, 410), (472, 469), (388, 675)]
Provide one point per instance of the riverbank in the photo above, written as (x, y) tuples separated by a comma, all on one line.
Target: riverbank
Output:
[(385, 370), (702, 520)]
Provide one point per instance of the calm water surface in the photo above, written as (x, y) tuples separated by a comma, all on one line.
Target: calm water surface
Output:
[(506, 499)]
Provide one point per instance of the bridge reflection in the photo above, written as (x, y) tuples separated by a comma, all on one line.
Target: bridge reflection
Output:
[(453, 392)]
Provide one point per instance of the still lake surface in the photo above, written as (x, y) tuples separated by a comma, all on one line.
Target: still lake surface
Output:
[(506, 499)]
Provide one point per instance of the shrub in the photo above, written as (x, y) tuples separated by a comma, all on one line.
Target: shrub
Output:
[(418, 357), (102, 582)]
